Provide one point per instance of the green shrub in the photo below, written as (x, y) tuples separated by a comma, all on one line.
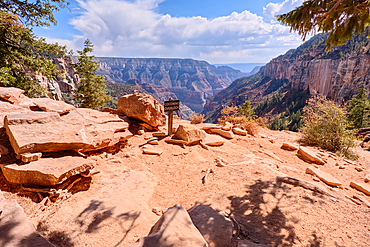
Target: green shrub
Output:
[(326, 126)]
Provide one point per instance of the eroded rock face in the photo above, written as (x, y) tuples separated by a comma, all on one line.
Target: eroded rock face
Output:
[(214, 227), (16, 229), (47, 171), (142, 107), (81, 129), (189, 133), (174, 229)]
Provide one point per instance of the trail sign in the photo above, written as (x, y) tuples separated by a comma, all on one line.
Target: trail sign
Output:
[(170, 106)]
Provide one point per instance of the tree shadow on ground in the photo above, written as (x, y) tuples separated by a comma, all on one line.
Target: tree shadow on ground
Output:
[(262, 220)]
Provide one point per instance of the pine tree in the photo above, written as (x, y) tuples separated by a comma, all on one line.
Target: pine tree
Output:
[(340, 18), (90, 92), (359, 109)]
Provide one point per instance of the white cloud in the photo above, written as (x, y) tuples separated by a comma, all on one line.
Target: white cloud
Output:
[(273, 9), (134, 29)]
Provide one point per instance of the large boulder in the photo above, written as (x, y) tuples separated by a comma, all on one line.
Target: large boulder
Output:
[(174, 229), (16, 229), (189, 133), (214, 227), (47, 171), (81, 129), (142, 107)]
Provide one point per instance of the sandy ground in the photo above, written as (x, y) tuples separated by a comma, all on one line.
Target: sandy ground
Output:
[(115, 207)]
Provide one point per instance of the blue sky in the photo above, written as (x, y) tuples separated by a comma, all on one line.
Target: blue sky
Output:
[(233, 31)]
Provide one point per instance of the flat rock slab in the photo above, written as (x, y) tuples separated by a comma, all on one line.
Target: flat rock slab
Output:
[(223, 133), (81, 129), (49, 105), (16, 229), (325, 177), (289, 146), (7, 108), (44, 132), (29, 157), (365, 188), (174, 229), (47, 171), (240, 132), (309, 156), (214, 141), (228, 126), (272, 155), (214, 227)]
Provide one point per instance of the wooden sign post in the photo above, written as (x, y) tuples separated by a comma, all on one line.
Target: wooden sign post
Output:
[(170, 106)]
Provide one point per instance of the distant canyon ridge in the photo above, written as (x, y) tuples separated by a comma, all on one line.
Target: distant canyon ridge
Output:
[(190, 81)]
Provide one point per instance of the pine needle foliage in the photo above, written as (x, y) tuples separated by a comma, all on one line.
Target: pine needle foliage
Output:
[(326, 126), (359, 110), (90, 93), (341, 18), (22, 54)]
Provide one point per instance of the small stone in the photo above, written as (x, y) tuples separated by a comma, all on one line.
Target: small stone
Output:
[(159, 134), (239, 131), (141, 132), (153, 142), (316, 179), (152, 151), (29, 157), (342, 167), (359, 169), (272, 140), (227, 126), (325, 177), (158, 211), (221, 162), (223, 133), (367, 178)]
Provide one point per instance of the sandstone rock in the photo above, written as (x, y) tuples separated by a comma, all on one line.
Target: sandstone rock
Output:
[(152, 151), (221, 162), (49, 105), (289, 146), (223, 133), (227, 126), (214, 227), (174, 229), (110, 110), (309, 156), (83, 129), (143, 107), (239, 131), (365, 188), (141, 132), (44, 131), (47, 171), (159, 134), (325, 177), (10, 94), (367, 178), (8, 108), (189, 133), (153, 142), (16, 229), (29, 157), (214, 141)]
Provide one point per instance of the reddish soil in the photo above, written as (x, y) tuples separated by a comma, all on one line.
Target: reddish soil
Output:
[(114, 209)]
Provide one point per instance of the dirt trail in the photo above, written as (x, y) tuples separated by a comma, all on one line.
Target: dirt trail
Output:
[(115, 208)]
